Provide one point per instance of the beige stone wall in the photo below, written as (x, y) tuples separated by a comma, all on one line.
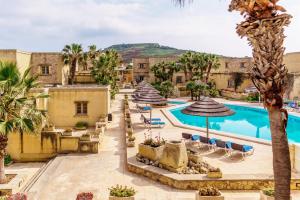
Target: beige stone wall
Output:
[(55, 63), (61, 107), (292, 62), (21, 58)]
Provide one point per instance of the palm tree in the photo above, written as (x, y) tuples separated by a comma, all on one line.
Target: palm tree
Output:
[(264, 29), (172, 67), (104, 70), (191, 85), (185, 62), (18, 112), (73, 56), (212, 62), (166, 89)]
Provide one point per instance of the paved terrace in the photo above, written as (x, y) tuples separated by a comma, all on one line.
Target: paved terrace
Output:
[(70, 174)]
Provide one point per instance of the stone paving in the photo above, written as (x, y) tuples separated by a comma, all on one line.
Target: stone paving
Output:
[(70, 174)]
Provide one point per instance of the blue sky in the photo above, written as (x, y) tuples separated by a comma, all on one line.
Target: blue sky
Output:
[(205, 25)]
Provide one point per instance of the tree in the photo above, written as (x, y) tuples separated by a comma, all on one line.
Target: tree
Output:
[(73, 56), (212, 62), (191, 85), (166, 89), (164, 71), (18, 112), (264, 29), (186, 65), (238, 79), (104, 70)]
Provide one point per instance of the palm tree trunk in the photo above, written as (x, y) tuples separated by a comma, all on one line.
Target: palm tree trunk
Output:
[(208, 73), (2, 170), (281, 155)]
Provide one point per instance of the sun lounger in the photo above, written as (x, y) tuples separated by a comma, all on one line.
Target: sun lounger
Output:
[(153, 119), (159, 124), (238, 148), (143, 109), (186, 136)]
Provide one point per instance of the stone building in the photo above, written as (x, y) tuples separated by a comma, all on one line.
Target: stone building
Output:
[(223, 77)]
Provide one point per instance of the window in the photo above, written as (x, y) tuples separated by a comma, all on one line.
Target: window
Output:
[(45, 69), (85, 67), (141, 78), (226, 65), (81, 107), (178, 79), (242, 65), (230, 83), (142, 65)]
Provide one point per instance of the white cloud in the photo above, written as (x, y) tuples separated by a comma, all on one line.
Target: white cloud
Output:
[(47, 25)]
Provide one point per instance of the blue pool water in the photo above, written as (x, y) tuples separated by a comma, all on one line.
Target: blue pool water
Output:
[(247, 121), (176, 102)]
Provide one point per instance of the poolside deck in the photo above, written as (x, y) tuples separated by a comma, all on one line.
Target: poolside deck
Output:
[(257, 165)]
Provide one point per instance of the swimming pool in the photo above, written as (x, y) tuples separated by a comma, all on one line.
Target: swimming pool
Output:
[(247, 121), (176, 102)]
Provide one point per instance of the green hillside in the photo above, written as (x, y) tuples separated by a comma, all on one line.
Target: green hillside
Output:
[(129, 51)]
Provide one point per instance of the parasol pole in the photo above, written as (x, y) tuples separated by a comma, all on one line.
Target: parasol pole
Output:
[(207, 127)]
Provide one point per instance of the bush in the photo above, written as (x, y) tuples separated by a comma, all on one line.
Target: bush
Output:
[(209, 191), (7, 160), (68, 130), (214, 169), (253, 97), (3, 198), (121, 191), (85, 196), (269, 192), (131, 139), (17, 196), (81, 125)]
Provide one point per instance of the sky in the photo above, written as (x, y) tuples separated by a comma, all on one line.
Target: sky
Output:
[(204, 25)]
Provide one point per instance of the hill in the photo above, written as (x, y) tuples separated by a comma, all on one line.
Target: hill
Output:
[(129, 51)]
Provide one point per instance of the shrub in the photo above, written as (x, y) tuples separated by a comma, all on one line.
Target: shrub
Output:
[(3, 198), (209, 191), (17, 196), (85, 196), (253, 97), (214, 169), (68, 130), (7, 160), (269, 192), (157, 142), (81, 125), (121, 191), (131, 139)]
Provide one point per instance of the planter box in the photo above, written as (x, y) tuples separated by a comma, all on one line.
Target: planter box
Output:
[(130, 143), (67, 133), (214, 174), (152, 153), (198, 197), (265, 197), (121, 198)]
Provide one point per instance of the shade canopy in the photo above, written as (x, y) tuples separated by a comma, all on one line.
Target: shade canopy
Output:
[(206, 107), (144, 98)]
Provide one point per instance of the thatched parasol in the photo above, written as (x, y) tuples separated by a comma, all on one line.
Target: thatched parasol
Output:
[(151, 99), (207, 107)]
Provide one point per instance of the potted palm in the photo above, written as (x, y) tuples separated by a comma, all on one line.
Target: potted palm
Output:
[(131, 141), (209, 193), (214, 173), (120, 192)]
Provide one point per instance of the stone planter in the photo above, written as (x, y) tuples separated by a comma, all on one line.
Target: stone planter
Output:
[(130, 143), (152, 153), (198, 197), (214, 174), (174, 157), (121, 198), (196, 158), (265, 197)]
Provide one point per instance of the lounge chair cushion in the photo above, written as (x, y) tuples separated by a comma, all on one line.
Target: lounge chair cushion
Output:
[(157, 123), (146, 108), (247, 148), (228, 145), (195, 137), (212, 141)]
